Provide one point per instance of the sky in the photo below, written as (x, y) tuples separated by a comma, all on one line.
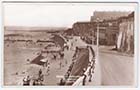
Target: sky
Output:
[(55, 14)]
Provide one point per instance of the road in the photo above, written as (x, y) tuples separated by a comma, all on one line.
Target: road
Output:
[(116, 69)]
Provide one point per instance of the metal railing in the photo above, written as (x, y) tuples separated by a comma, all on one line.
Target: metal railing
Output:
[(89, 71)]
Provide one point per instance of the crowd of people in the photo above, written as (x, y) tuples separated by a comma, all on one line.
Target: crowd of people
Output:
[(27, 81)]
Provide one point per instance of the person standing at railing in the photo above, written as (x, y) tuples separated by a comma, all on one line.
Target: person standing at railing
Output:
[(90, 74), (93, 66), (84, 80)]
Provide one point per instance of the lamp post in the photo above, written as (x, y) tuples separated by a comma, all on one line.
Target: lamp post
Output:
[(98, 22), (97, 34), (97, 40)]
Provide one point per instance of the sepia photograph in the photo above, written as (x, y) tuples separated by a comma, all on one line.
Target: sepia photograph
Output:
[(69, 44)]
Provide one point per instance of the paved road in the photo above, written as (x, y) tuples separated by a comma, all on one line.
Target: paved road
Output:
[(116, 69)]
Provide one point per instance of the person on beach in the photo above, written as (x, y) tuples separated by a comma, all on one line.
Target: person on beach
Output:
[(41, 78), (54, 57), (35, 82), (26, 81), (66, 62), (48, 68), (71, 44), (40, 72), (66, 46), (62, 81), (61, 55), (46, 64), (66, 76)]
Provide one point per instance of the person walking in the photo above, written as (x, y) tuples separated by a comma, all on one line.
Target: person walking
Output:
[(48, 68), (60, 64), (66, 62), (54, 57), (61, 55), (40, 72)]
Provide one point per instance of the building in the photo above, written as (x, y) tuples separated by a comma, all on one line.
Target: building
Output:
[(109, 27), (125, 40), (112, 30), (109, 21), (108, 15), (88, 30)]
